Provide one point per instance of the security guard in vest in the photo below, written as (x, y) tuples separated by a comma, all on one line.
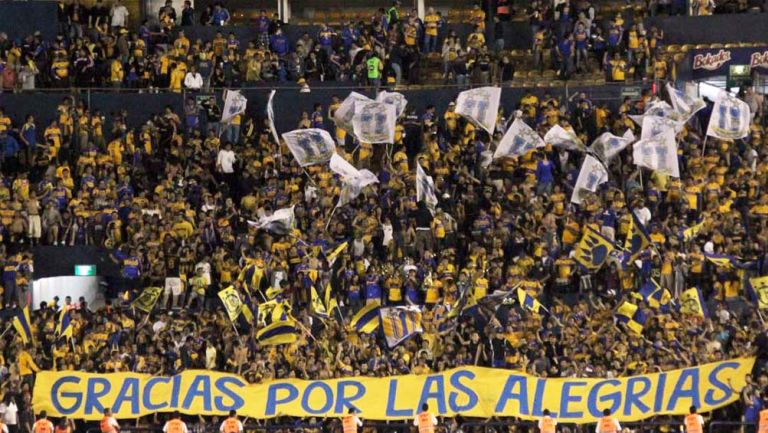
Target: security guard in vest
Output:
[(694, 423), (762, 420), (108, 423), (175, 424), (607, 423), (547, 424), (350, 422), (231, 424), (42, 425), (425, 421)]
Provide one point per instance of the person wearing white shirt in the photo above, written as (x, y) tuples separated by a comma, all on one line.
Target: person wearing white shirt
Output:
[(607, 423), (694, 423), (425, 421), (119, 14), (9, 412), (225, 160), (642, 213), (351, 422), (193, 80)]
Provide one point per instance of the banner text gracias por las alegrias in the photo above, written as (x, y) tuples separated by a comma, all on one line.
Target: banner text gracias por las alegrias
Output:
[(470, 391)]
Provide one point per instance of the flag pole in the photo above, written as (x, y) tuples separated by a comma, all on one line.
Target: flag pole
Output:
[(7, 328), (312, 181), (330, 218), (704, 145)]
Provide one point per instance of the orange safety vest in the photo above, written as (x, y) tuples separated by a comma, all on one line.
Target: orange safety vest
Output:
[(692, 424), (42, 426), (348, 424), (607, 425), (425, 423), (547, 425), (231, 426), (105, 427), (763, 423), (175, 426)]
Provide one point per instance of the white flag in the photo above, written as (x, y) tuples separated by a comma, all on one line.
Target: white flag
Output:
[(591, 175), (730, 117), (658, 153), (400, 323), (659, 108), (393, 98), (281, 221), (685, 106), (425, 188), (655, 125), (480, 105), (346, 111), (234, 104), (560, 137), (350, 173), (374, 122), (310, 146), (518, 140), (608, 145), (271, 117)]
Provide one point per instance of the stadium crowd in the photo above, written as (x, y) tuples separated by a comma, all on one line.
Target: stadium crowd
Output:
[(174, 202), (96, 47)]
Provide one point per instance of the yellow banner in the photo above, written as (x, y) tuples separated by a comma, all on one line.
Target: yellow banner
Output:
[(469, 391)]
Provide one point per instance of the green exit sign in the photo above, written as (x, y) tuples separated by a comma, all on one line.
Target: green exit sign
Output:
[(85, 270)]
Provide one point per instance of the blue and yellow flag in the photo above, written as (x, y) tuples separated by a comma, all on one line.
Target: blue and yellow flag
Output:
[(317, 305), (23, 325), (656, 297), (693, 231), (64, 327), (637, 238), (593, 250), (330, 301), (722, 261), (147, 299), (400, 323), (692, 302), (758, 291), (333, 255), (232, 303), (367, 320), (632, 316), (528, 301), (283, 332)]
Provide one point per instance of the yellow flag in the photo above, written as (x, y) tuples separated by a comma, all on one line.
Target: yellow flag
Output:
[(147, 299), (232, 303), (317, 304), (760, 291)]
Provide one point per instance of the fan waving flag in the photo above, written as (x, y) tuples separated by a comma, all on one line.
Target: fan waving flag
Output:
[(658, 153), (64, 328), (374, 122), (518, 140), (346, 112), (560, 137), (282, 221), (23, 324), (692, 302), (656, 297), (758, 291), (607, 146), (400, 323), (425, 189), (480, 105), (591, 175), (271, 117), (528, 301), (281, 332), (637, 238), (730, 117), (685, 106), (593, 250), (394, 99), (147, 299), (367, 320), (234, 105), (310, 146), (232, 303), (632, 316)]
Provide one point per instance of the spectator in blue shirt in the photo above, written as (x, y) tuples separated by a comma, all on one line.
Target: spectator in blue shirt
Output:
[(545, 175), (279, 43), (220, 15), (349, 35)]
